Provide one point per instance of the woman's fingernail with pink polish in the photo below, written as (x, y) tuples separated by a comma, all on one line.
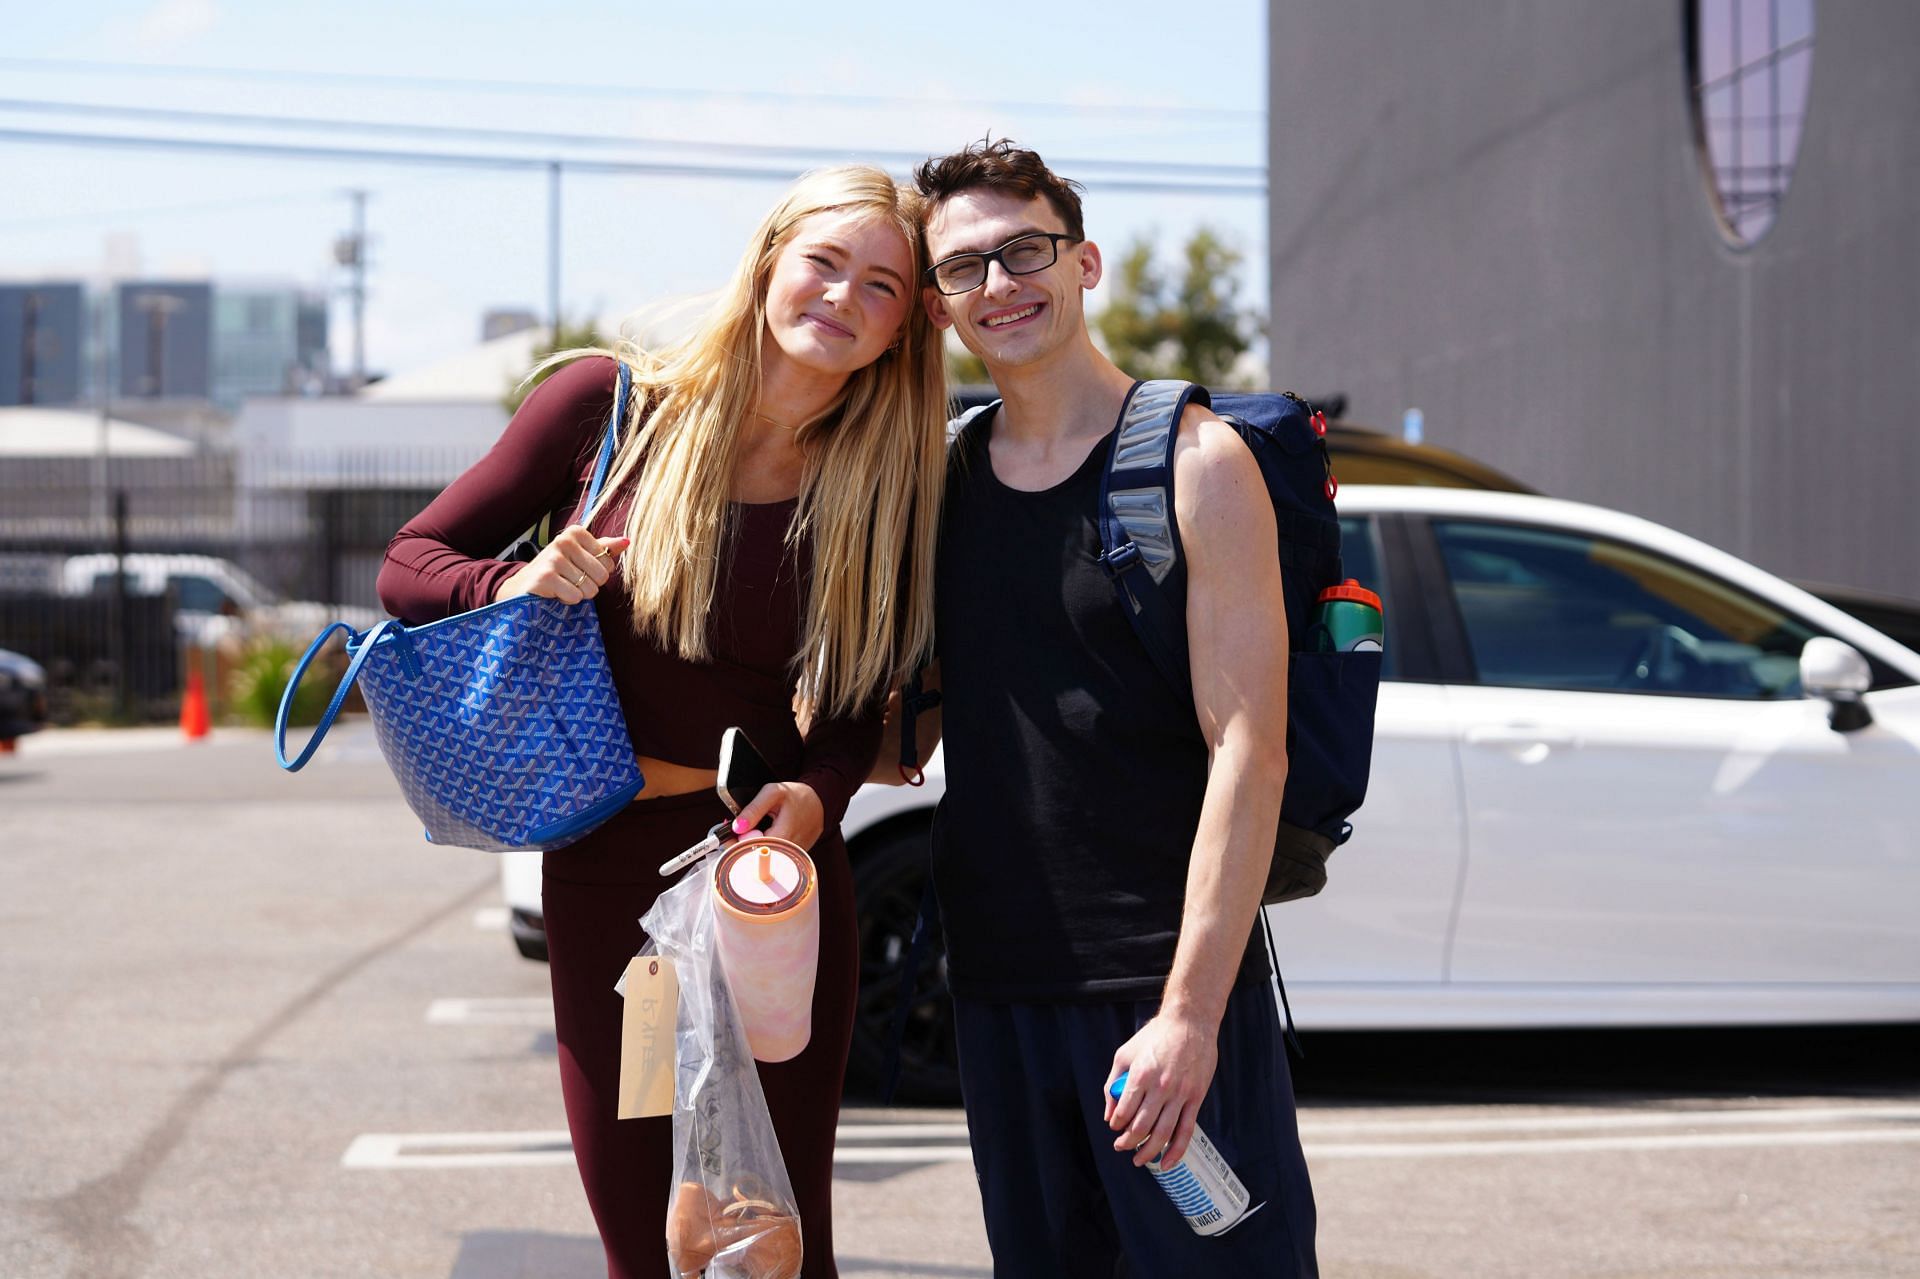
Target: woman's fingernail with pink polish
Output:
[(739, 825)]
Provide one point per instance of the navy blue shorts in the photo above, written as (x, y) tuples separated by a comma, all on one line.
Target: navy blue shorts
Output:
[(1061, 1203)]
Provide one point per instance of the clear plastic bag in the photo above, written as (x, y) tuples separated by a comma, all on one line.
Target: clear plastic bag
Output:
[(732, 1213)]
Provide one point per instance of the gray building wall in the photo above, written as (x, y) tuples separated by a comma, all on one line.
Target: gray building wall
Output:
[(165, 340), (42, 342), (1497, 212)]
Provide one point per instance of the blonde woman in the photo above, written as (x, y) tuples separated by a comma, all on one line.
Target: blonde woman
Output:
[(766, 537)]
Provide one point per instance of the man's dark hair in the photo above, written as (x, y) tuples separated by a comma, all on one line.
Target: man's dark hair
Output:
[(1000, 166)]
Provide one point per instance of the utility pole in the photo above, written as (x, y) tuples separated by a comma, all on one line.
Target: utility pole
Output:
[(350, 251), (553, 248)]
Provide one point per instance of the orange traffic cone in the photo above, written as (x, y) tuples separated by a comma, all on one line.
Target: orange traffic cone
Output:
[(195, 721)]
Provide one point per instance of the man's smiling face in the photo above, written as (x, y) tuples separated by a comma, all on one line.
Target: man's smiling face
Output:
[(1010, 320)]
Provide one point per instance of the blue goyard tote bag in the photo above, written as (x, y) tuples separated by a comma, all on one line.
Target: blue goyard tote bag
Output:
[(501, 724)]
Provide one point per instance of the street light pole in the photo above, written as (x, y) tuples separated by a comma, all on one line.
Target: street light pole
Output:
[(102, 377)]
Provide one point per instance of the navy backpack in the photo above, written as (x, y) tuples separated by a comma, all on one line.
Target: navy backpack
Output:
[(1330, 695)]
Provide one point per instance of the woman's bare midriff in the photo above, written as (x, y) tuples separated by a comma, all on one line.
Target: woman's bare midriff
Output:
[(665, 779)]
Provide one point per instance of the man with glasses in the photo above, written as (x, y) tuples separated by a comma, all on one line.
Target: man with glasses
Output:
[(1104, 838)]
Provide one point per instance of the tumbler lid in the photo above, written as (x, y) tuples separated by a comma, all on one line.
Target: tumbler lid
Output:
[(763, 876)]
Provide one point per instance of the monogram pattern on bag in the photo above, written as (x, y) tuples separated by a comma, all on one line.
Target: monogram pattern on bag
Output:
[(509, 727)]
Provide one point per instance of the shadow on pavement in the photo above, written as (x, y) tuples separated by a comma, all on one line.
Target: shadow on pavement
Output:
[(1546, 1067), (528, 1254)]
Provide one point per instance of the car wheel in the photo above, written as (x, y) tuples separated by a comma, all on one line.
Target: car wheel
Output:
[(889, 876), (529, 934)]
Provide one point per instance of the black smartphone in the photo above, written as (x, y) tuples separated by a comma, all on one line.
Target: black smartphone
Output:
[(743, 771)]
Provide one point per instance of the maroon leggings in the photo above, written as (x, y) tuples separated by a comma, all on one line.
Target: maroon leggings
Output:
[(594, 894)]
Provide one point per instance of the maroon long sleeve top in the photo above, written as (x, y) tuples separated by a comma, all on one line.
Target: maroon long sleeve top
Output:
[(439, 564)]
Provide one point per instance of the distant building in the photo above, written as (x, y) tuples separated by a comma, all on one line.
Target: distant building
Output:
[(267, 341), (164, 340), (42, 343), (1659, 256)]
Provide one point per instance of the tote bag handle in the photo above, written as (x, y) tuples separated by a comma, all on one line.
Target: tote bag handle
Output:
[(608, 445), (379, 632)]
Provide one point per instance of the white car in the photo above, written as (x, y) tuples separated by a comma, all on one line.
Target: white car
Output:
[(1620, 778), (214, 599)]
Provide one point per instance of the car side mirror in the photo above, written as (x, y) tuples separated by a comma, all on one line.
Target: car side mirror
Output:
[(1836, 672)]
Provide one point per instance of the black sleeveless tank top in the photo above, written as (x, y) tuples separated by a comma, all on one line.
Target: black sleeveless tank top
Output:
[(1075, 770)]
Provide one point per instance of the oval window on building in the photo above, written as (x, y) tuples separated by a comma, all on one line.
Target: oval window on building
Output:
[(1750, 66)]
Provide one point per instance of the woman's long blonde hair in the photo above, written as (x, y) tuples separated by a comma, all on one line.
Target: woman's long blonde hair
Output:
[(870, 492)]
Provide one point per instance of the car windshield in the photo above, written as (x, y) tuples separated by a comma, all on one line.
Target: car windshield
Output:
[(194, 594)]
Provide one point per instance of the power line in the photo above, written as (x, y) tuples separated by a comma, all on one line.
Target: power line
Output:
[(601, 140), (481, 160), (170, 210), (444, 84)]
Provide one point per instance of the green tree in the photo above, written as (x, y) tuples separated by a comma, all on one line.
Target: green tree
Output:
[(1196, 330), (570, 336), (964, 368)]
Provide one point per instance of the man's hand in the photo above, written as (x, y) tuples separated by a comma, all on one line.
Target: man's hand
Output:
[(798, 814), (1170, 1063)]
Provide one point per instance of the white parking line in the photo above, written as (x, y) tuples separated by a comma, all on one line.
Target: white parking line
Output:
[(902, 1132), (535, 1011), (458, 1150), (870, 1144), (1713, 1118), (903, 1155), (490, 918), (1575, 1145)]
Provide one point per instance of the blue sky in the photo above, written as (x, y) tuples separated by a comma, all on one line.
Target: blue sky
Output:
[(1124, 79)]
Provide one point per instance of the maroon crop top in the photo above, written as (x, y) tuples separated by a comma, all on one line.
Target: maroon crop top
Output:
[(438, 565)]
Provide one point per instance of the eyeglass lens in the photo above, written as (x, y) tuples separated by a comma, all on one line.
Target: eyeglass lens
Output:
[(1023, 256)]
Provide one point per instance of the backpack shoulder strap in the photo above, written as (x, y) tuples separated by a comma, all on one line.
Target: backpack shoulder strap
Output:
[(967, 429), (1139, 537)]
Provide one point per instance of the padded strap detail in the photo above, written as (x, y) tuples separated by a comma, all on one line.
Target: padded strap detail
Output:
[(1139, 543)]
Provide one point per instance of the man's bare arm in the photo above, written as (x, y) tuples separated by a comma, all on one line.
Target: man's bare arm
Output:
[(1237, 644)]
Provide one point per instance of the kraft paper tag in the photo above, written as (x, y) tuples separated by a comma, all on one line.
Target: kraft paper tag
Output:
[(647, 1037)]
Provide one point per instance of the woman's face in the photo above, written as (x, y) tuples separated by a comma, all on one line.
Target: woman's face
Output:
[(840, 290)]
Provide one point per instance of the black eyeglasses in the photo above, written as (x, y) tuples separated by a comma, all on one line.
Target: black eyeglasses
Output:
[(1022, 255)]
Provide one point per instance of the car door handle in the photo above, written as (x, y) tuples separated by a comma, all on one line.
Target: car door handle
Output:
[(1508, 735)]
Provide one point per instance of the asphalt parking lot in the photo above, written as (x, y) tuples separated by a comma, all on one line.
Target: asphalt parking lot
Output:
[(257, 1027)]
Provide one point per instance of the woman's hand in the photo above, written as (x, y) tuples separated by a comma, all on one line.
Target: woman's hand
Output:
[(573, 567), (798, 814)]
